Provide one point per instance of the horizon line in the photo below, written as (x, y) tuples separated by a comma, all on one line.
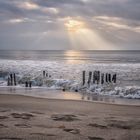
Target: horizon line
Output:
[(67, 50)]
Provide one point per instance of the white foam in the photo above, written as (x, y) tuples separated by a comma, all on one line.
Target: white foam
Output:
[(69, 76)]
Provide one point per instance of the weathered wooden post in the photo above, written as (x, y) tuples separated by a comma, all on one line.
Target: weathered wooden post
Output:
[(76, 90), (102, 78), (98, 77), (15, 79), (109, 77), (89, 78), (26, 84), (30, 84), (63, 89), (11, 78), (106, 77), (114, 78), (43, 73), (8, 81), (46, 74), (94, 77), (84, 77)]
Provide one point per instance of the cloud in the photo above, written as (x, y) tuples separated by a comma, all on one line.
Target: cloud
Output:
[(114, 20), (116, 23), (27, 5)]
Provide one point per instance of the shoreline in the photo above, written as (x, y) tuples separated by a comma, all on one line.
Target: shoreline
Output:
[(68, 95), (68, 100), (24, 118), (18, 99)]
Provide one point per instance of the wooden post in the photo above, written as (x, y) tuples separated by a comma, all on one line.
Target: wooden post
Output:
[(63, 89), (43, 73), (94, 77), (76, 90), (109, 77), (102, 78), (114, 78), (84, 77), (26, 84), (89, 78), (106, 77), (98, 77), (8, 81), (46, 74), (30, 84), (15, 79), (11, 78)]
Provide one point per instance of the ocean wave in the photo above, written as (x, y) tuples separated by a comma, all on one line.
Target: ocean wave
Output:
[(131, 92), (62, 75)]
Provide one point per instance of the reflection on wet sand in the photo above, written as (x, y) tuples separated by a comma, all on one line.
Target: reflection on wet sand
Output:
[(91, 97), (58, 94)]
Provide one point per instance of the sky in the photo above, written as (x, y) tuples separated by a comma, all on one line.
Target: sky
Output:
[(70, 24)]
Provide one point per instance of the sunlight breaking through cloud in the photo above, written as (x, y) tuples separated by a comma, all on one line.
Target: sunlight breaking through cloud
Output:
[(81, 37)]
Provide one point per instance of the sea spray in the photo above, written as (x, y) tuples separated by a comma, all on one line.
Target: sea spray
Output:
[(69, 77)]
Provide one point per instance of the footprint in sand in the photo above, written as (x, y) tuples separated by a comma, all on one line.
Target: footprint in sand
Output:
[(42, 134), (22, 126), (129, 136), (73, 131), (125, 124), (3, 126), (98, 125), (3, 117), (43, 126), (95, 138), (5, 110), (5, 138), (120, 124), (26, 116), (64, 117), (36, 112)]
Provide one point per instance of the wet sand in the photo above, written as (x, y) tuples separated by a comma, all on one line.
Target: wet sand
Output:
[(67, 95), (30, 118)]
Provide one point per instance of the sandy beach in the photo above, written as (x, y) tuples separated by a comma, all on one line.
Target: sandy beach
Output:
[(29, 118)]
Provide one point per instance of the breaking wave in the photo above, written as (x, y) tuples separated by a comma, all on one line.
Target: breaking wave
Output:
[(63, 75)]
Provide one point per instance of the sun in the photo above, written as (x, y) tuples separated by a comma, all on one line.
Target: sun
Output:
[(73, 25)]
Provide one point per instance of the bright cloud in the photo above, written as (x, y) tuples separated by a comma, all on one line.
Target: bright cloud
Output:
[(28, 5)]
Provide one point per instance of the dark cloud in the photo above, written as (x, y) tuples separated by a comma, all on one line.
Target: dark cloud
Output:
[(8, 9)]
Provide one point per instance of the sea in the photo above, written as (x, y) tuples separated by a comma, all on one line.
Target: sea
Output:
[(63, 70)]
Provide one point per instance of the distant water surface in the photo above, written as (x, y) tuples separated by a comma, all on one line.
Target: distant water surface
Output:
[(94, 56)]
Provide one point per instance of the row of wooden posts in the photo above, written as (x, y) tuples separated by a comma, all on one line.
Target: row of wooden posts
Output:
[(45, 74), (28, 84), (97, 77), (12, 80)]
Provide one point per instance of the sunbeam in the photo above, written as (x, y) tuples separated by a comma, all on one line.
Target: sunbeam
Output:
[(81, 37)]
